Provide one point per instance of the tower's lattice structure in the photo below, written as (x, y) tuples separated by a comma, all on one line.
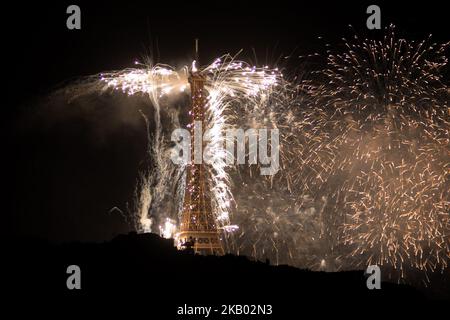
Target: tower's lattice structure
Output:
[(198, 226)]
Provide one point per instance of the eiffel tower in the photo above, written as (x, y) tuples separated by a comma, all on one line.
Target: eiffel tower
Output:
[(198, 226)]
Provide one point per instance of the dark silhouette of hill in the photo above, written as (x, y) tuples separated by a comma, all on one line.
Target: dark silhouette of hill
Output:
[(148, 269)]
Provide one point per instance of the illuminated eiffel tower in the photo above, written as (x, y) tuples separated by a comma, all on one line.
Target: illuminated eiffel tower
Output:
[(198, 225)]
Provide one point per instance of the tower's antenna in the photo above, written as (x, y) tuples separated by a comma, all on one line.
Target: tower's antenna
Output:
[(196, 50)]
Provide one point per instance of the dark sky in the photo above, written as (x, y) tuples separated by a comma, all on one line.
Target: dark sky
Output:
[(66, 165)]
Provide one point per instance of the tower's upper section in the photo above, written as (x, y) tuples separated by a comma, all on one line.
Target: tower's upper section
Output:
[(198, 96)]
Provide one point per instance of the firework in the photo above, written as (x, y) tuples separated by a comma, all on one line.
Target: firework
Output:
[(374, 140), (387, 111)]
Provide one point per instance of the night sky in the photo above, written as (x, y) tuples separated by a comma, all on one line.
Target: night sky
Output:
[(67, 164)]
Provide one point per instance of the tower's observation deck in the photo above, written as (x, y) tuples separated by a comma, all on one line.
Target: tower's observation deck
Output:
[(198, 225)]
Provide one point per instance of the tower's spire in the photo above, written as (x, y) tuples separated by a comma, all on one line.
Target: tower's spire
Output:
[(196, 50)]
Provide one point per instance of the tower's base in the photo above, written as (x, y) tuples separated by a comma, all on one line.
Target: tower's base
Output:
[(202, 242)]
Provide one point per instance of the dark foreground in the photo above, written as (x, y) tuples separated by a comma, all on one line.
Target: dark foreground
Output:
[(144, 273)]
